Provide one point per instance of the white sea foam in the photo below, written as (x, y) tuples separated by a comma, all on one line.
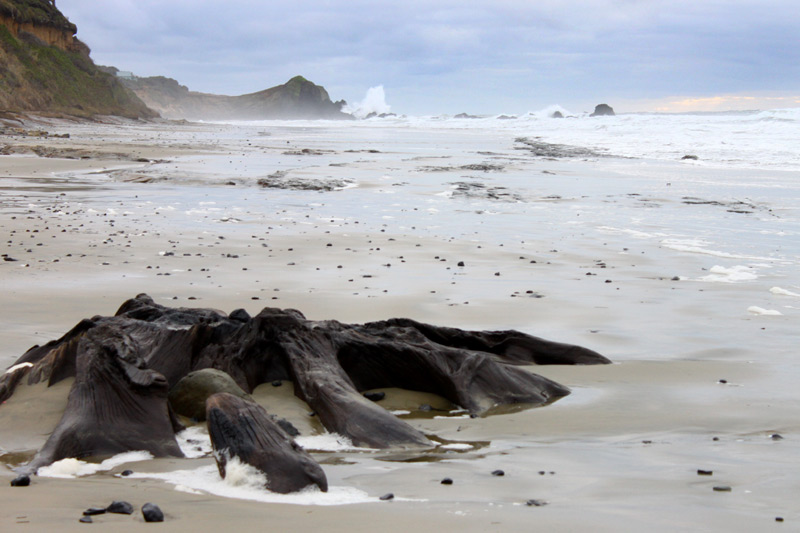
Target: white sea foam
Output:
[(194, 442), (327, 442), (71, 468), (783, 292), (755, 310), (246, 483), (374, 102), (735, 274), (17, 367)]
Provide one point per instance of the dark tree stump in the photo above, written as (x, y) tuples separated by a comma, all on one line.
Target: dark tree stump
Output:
[(243, 429), (115, 405), (146, 348)]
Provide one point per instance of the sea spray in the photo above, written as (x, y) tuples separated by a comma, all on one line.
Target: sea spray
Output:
[(374, 102)]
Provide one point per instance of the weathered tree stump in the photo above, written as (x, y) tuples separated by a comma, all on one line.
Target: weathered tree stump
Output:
[(241, 428), (124, 365)]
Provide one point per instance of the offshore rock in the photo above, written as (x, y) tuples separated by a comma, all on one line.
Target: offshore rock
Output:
[(243, 429), (603, 110)]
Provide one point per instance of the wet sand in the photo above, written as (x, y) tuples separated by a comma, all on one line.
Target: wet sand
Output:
[(700, 383)]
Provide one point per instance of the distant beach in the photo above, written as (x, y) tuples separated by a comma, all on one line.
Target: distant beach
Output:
[(597, 232)]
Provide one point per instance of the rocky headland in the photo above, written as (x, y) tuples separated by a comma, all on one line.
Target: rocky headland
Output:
[(298, 98)]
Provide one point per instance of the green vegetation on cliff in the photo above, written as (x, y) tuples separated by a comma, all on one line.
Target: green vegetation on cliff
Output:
[(39, 78), (39, 12)]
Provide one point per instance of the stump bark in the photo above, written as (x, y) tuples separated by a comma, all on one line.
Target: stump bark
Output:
[(125, 365)]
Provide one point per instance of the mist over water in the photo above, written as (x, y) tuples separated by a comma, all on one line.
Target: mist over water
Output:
[(374, 102)]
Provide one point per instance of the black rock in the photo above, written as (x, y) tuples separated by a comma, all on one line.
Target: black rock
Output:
[(498, 473), (86, 520), (92, 511), (535, 503), (601, 110), (722, 488), (689, 156), (375, 396), (277, 383), (447, 481), (152, 513), (776, 436), (120, 507), (288, 427), (126, 472), (239, 315), (705, 472), (386, 497), (22, 480), (461, 263), (557, 114)]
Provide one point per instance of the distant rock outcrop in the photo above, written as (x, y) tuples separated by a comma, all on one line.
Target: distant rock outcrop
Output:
[(603, 110), (44, 69), (298, 98)]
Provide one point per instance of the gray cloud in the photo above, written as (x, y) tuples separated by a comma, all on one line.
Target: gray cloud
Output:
[(448, 56)]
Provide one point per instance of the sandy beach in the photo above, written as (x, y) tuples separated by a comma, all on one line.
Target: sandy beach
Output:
[(654, 264)]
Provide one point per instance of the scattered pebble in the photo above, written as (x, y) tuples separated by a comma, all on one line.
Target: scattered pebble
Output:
[(776, 436), (22, 480), (722, 488), (386, 497), (705, 472), (375, 396), (126, 472), (498, 473), (152, 513), (447, 481), (535, 503), (92, 511), (86, 520), (120, 508)]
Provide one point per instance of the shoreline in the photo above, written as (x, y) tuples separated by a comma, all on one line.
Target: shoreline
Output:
[(97, 240)]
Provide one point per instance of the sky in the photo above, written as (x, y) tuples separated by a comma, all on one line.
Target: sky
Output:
[(481, 57)]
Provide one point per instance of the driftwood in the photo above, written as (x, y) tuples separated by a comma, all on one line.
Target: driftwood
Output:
[(124, 366), (241, 428)]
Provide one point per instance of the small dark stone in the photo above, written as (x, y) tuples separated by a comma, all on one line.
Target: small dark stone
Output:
[(535, 503), (690, 156), (22, 480), (498, 473), (676, 278), (425, 407), (722, 488), (126, 472), (92, 511), (722, 381), (715, 439), (86, 520), (152, 513), (705, 472), (386, 497), (461, 263), (375, 396), (120, 508), (447, 481), (240, 315), (779, 519), (288, 427), (776, 436), (647, 442), (277, 383)]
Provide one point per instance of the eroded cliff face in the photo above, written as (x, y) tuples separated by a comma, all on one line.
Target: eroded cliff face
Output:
[(45, 69)]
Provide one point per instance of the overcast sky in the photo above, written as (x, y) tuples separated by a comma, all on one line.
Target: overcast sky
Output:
[(443, 56)]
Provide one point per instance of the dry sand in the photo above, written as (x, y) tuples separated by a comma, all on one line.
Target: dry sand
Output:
[(621, 453)]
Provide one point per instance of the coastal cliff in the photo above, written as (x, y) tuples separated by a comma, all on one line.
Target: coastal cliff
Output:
[(45, 69), (298, 98)]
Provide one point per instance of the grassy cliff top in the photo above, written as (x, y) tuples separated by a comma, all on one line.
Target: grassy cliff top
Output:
[(39, 12)]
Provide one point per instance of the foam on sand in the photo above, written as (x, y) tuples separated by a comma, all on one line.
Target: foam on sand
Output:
[(73, 468), (734, 274), (755, 310), (783, 292), (245, 482)]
